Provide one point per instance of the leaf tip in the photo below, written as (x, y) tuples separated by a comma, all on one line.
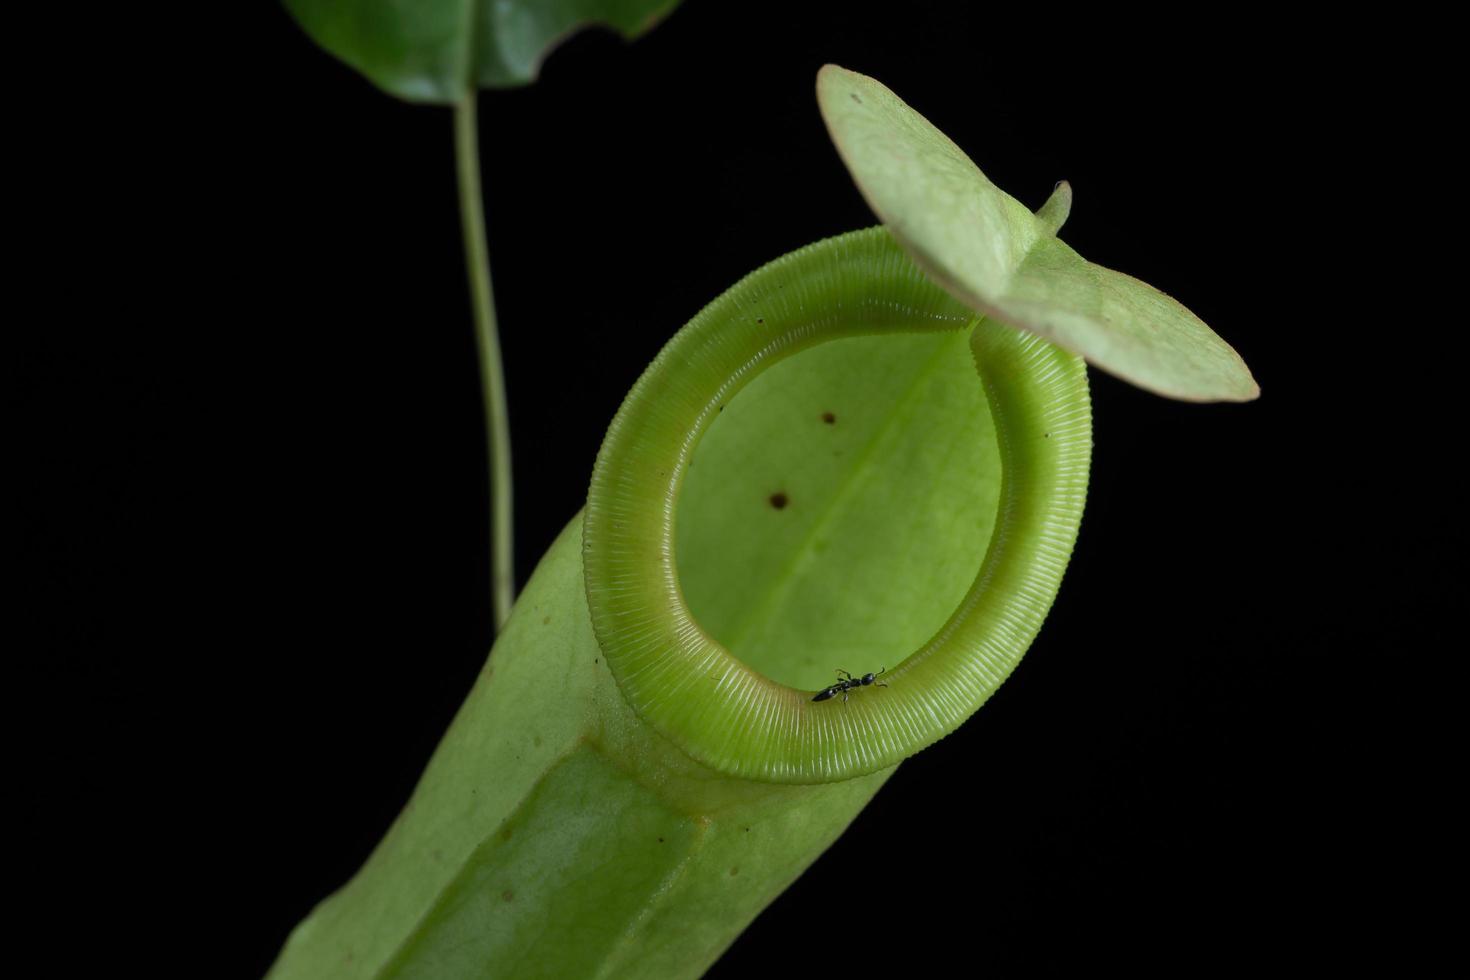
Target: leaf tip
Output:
[(831, 80), (1251, 390), (1234, 384)]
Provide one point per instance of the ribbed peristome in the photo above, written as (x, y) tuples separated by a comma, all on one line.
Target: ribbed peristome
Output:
[(682, 681)]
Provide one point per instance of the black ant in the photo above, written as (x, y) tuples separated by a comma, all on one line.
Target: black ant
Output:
[(847, 683)]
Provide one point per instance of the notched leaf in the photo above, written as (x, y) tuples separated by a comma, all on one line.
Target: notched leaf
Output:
[(992, 254), (440, 50)]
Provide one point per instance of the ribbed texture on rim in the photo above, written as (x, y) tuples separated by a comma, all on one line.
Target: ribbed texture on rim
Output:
[(689, 687)]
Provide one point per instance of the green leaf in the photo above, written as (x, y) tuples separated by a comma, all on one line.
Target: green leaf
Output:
[(1123, 325), (992, 254), (440, 50)]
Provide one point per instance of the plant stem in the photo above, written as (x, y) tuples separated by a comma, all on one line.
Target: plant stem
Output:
[(492, 376)]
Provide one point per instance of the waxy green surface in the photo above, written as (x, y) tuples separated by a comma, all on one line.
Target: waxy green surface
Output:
[(439, 50)]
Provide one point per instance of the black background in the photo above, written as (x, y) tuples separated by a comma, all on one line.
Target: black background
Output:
[(268, 592)]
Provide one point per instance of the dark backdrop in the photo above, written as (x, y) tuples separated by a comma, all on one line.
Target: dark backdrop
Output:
[(274, 589)]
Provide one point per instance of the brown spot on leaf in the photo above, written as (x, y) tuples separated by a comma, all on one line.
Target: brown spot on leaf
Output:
[(779, 500), (855, 98), (506, 832), (546, 621), (507, 895), (734, 872), (829, 418)]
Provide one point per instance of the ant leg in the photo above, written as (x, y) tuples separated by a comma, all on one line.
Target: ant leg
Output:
[(841, 671)]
